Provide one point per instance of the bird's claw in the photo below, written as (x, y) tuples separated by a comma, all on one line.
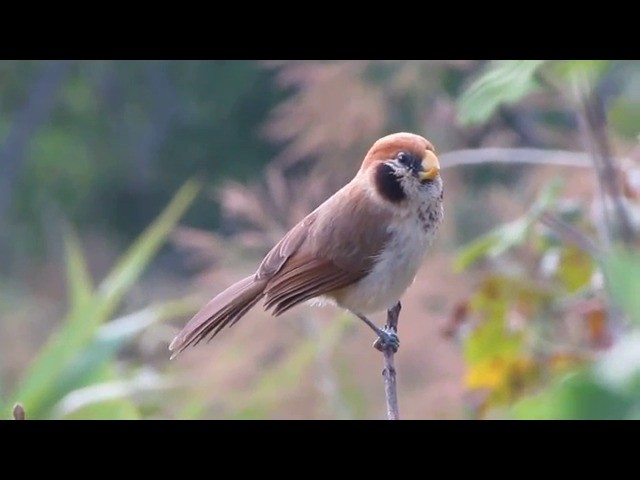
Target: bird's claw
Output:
[(387, 339)]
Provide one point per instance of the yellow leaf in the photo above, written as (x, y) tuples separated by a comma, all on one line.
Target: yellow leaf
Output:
[(575, 269), (486, 374), (504, 378)]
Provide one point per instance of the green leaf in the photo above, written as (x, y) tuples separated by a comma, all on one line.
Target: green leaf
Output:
[(493, 243), (624, 116), (504, 82), (506, 236), (38, 388), (622, 271), (492, 338), (588, 71), (575, 268), (609, 388), (576, 397)]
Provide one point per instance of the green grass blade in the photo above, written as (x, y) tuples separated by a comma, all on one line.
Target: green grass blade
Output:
[(134, 261), (36, 391), (111, 337), (79, 281), (110, 398)]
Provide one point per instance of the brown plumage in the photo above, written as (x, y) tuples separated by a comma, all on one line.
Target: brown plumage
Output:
[(361, 245)]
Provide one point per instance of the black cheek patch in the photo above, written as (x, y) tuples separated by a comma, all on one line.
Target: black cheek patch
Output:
[(388, 184)]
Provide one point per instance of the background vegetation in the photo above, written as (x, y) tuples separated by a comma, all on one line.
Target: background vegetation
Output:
[(131, 191)]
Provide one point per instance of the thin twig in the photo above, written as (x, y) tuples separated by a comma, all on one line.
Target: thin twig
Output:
[(389, 372), (592, 119), (523, 124), (593, 123), (570, 234)]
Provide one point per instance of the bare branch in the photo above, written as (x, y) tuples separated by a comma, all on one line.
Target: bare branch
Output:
[(389, 372), (570, 234), (593, 125), (532, 156)]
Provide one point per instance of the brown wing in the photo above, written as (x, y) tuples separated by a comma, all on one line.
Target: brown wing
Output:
[(325, 252)]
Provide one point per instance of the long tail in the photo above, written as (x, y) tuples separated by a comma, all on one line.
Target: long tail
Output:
[(225, 309)]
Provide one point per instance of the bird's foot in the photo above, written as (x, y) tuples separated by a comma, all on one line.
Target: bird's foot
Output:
[(387, 339)]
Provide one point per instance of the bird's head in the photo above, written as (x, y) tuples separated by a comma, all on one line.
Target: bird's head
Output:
[(403, 166)]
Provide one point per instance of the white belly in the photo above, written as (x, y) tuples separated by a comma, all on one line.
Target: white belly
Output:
[(394, 271)]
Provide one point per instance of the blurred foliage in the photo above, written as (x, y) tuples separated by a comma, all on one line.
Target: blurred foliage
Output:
[(548, 333), (498, 241), (609, 387), (623, 271), (75, 373), (505, 82), (124, 135)]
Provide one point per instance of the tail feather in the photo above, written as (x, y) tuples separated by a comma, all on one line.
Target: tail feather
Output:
[(224, 309)]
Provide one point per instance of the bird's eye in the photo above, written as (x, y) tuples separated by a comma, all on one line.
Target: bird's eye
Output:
[(404, 158)]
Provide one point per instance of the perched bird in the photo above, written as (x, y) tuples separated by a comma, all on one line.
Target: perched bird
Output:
[(359, 250)]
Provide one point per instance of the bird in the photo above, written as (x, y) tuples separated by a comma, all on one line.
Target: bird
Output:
[(359, 250)]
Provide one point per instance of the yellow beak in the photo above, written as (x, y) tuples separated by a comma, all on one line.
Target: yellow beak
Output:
[(430, 165)]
